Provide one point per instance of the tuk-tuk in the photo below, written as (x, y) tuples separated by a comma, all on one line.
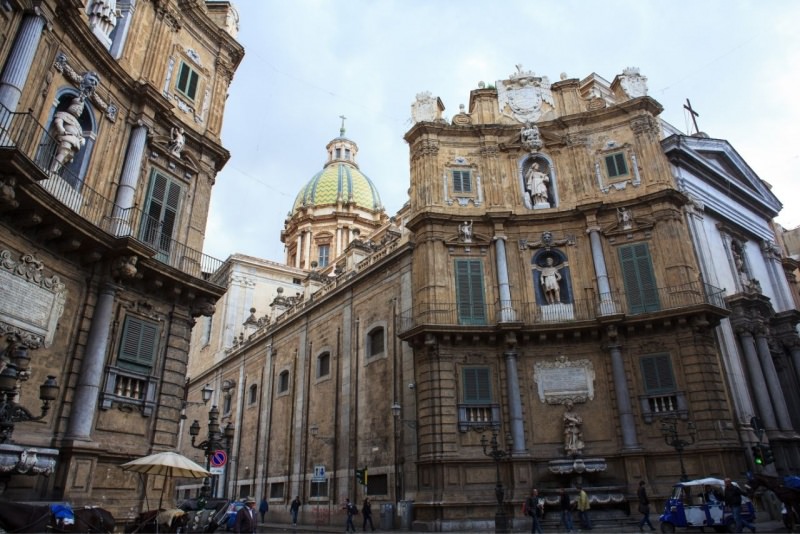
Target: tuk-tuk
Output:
[(699, 503)]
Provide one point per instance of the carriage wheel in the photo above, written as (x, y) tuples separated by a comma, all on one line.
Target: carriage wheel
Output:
[(667, 528)]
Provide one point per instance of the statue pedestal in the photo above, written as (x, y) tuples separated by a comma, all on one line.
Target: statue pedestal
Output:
[(557, 312), (578, 466)]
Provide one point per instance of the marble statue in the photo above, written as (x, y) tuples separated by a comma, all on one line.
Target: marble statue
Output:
[(177, 140), (537, 181), (573, 436), (550, 279), (69, 134), (465, 230)]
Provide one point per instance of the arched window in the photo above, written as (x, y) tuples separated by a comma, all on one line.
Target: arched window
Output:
[(376, 341), (253, 394), (283, 382), (323, 364)]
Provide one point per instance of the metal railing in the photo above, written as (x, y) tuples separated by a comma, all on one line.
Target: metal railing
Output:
[(491, 314), (22, 132)]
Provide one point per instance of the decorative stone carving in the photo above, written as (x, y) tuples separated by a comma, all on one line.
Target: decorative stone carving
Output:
[(68, 133), (32, 303), (547, 241), (124, 267), (424, 108), (523, 95), (177, 140), (21, 460), (633, 83), (103, 16), (573, 433), (564, 380), (625, 218), (465, 232), (538, 185), (8, 194), (531, 138), (88, 83)]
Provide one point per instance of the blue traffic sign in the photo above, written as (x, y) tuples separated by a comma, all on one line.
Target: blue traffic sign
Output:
[(219, 458)]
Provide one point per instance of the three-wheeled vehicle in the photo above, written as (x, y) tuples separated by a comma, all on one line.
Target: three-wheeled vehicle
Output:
[(698, 503)]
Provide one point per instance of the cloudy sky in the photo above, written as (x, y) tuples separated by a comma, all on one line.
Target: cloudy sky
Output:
[(309, 61)]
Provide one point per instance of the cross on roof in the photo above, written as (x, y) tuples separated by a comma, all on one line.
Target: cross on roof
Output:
[(688, 107), (341, 130)]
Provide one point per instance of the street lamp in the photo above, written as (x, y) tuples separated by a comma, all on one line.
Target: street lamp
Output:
[(669, 429), (16, 371), (498, 455), (216, 440), (396, 408)]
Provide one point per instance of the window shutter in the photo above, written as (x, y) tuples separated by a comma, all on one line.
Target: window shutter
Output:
[(138, 344), (616, 165), (657, 374), (162, 210), (462, 182), (469, 292), (477, 385), (637, 273)]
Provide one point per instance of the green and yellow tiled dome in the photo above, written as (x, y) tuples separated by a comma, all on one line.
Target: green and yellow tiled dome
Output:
[(339, 182)]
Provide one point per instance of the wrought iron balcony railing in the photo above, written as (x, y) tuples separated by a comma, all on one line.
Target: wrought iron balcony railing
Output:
[(20, 131), (491, 314)]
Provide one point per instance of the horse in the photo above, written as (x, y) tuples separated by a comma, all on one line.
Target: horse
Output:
[(790, 497), (19, 517)]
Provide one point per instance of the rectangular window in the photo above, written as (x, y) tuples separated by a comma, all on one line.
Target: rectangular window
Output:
[(319, 490), (462, 182), (244, 490), (657, 374), (616, 165), (187, 82), (469, 292), (252, 398), (377, 485), (477, 385), (138, 345), (161, 214), (324, 255), (375, 342), (324, 365), (641, 291), (283, 382), (276, 490)]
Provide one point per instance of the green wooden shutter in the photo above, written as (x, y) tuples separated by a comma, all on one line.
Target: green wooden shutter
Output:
[(477, 385), (640, 283), (657, 374), (462, 182), (469, 292), (137, 348), (615, 165), (161, 209)]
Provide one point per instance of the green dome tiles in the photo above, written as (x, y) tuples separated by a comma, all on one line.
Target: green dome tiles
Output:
[(339, 181)]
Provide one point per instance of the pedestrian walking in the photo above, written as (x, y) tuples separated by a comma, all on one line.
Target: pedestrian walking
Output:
[(535, 508), (294, 508), (246, 520), (366, 511), (566, 510), (644, 507), (263, 508), (583, 509), (351, 510), (733, 498)]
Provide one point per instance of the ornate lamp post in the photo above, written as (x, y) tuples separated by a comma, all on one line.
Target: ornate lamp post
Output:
[(215, 441), (669, 429), (16, 371), (498, 455)]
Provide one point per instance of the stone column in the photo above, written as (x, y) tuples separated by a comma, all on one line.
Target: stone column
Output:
[(20, 59), (772, 258), (757, 382), (128, 181), (515, 403), (774, 389), (87, 390), (624, 408), (607, 306), (298, 249), (307, 251), (506, 306)]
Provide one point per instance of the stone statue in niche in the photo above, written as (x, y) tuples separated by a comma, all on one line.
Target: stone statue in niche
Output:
[(625, 218), (465, 231), (530, 137), (550, 279), (177, 140), (538, 185), (69, 134), (573, 435)]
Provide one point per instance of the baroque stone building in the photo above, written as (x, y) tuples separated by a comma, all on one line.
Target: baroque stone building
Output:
[(536, 314), (110, 119)]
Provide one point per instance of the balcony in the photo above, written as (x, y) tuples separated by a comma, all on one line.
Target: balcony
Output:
[(20, 132), (662, 301)]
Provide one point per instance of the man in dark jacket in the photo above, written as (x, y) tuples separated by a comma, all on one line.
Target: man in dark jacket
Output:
[(246, 520), (733, 498)]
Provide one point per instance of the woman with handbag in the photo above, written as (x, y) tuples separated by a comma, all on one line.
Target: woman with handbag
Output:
[(644, 507)]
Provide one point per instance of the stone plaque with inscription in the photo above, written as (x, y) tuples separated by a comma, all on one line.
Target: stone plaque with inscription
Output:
[(562, 380), (31, 302)]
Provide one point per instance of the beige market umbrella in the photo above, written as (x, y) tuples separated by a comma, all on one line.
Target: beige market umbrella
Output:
[(168, 464)]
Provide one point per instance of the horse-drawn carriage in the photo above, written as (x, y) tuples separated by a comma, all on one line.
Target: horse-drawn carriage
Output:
[(58, 517), (786, 489), (190, 516)]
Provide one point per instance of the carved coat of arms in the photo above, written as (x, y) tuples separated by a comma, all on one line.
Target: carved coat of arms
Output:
[(524, 95)]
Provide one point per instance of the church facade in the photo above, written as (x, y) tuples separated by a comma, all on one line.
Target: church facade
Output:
[(110, 119), (535, 315)]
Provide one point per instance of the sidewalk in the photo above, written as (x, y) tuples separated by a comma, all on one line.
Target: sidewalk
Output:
[(766, 526)]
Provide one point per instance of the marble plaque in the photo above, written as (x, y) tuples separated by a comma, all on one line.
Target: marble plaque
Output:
[(562, 379), (31, 303)]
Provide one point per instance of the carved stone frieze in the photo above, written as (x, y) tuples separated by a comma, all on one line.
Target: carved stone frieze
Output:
[(87, 83), (547, 241)]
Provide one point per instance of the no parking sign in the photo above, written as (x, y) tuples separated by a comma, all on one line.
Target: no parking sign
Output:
[(219, 458)]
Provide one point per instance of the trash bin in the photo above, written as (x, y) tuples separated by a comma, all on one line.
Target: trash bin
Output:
[(387, 516), (405, 509)]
